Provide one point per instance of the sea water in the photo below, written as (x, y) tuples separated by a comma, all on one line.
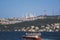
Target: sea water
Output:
[(18, 35)]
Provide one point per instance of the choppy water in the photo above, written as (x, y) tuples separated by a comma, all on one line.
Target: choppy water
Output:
[(18, 35)]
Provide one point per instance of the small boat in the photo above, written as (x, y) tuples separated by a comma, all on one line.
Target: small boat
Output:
[(32, 36)]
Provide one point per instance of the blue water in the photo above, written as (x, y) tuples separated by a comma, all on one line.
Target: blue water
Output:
[(18, 35)]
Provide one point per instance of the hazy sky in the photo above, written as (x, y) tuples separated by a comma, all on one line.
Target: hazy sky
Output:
[(19, 8)]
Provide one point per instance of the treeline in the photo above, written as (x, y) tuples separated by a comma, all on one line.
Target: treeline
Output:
[(37, 22)]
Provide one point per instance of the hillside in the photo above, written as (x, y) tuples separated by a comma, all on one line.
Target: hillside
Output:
[(26, 24)]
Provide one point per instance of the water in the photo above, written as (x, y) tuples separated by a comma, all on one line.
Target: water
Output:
[(18, 35)]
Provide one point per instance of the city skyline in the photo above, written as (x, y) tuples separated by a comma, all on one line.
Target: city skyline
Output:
[(19, 8)]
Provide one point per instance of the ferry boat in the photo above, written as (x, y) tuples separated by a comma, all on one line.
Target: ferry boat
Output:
[(32, 36)]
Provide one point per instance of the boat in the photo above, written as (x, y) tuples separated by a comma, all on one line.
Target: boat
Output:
[(32, 36)]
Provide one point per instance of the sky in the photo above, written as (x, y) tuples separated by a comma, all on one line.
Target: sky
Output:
[(20, 8)]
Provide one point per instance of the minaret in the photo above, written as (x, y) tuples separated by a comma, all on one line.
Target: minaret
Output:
[(45, 13)]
